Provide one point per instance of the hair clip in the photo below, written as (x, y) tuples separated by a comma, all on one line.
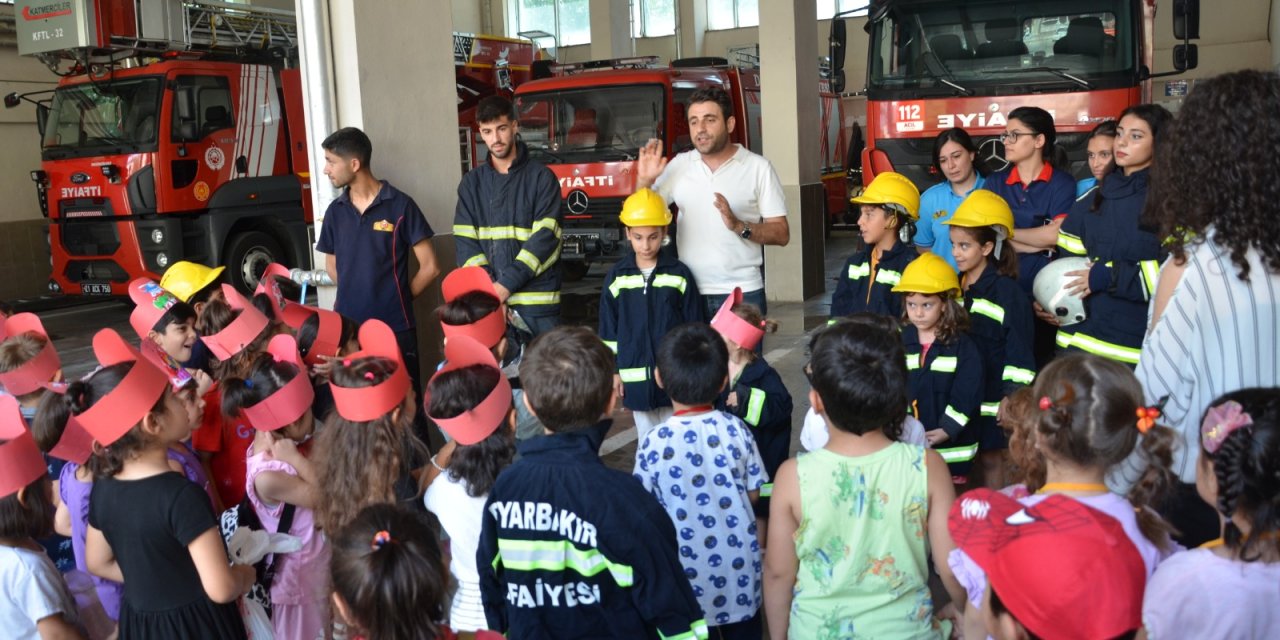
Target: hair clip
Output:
[(248, 383), (368, 375), (1045, 403), (1220, 422), (764, 324), (346, 362), (1147, 418), (380, 539)]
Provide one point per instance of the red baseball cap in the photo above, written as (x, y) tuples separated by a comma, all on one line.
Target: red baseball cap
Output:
[(1063, 569)]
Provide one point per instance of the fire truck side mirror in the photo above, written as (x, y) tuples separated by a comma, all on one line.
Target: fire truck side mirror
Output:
[(12, 100), (185, 110), (1185, 57), (1186, 21), (835, 53), (42, 117)]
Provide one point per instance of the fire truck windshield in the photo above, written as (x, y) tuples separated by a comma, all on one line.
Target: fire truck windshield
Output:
[(1000, 47), (97, 118), (596, 124)]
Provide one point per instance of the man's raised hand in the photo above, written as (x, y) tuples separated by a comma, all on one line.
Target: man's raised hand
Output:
[(650, 163)]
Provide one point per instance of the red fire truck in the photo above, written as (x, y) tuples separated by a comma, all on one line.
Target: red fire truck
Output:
[(588, 121), (937, 64), (485, 66), (175, 133)]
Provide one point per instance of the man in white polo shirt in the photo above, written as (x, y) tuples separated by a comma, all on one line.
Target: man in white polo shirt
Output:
[(730, 202)]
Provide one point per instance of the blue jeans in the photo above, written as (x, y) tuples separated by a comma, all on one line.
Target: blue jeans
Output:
[(712, 302)]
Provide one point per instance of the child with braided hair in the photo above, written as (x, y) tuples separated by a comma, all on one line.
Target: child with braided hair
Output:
[(1229, 587), (1090, 417)]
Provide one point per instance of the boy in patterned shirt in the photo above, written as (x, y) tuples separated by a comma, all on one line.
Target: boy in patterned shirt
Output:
[(702, 465)]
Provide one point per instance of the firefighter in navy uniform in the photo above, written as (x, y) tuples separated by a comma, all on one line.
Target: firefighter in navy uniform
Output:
[(508, 220), (999, 312), (889, 207), (944, 366)]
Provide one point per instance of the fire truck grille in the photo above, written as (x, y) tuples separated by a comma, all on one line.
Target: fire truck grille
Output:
[(85, 238), (596, 207), (94, 270)]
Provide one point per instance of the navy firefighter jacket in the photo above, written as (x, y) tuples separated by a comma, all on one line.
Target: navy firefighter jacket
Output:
[(765, 405), (1126, 260), (1000, 314), (570, 548), (635, 312), (863, 286), (947, 384)]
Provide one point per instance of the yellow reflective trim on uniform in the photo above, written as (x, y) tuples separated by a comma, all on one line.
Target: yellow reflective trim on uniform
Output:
[(859, 271), (478, 260), (561, 555), (913, 361), (988, 309), (612, 344), (546, 223), (944, 364), (492, 233), (1070, 243), (1018, 375), (670, 280), (885, 276), (1150, 276), (625, 282), (534, 297), (697, 631), (766, 490), (637, 374), (755, 407), (952, 455), (960, 418), (1063, 339), (1119, 353), (465, 230), (528, 260), (990, 408)]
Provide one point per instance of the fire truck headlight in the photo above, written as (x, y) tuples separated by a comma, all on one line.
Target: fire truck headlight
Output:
[(162, 260), (157, 236)]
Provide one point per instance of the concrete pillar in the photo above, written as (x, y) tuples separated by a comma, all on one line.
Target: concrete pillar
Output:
[(691, 27), (789, 107), (610, 29), (406, 106)]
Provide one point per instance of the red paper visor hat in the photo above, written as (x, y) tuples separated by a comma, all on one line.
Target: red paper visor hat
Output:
[(285, 310), (477, 423), (151, 303), (734, 328), (328, 340), (36, 372), (116, 413), (488, 330), (20, 459), (365, 404), (289, 402), (241, 332)]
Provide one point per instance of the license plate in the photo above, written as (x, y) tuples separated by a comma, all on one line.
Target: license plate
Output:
[(95, 289)]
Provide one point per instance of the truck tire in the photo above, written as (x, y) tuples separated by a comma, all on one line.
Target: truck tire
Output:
[(247, 255)]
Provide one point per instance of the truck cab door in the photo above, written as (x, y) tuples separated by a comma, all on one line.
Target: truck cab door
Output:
[(195, 156)]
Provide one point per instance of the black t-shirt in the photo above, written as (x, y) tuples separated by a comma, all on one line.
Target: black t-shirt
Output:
[(149, 523)]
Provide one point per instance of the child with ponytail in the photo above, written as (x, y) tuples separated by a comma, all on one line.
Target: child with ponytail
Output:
[(150, 528), (368, 452), (280, 482), (999, 313), (1090, 417), (1229, 587)]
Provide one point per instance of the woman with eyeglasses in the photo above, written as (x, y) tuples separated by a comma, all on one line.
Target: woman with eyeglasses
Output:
[(1040, 196), (1124, 256), (953, 156)]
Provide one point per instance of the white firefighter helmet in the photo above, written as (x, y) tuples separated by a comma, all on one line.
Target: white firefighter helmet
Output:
[(1050, 290)]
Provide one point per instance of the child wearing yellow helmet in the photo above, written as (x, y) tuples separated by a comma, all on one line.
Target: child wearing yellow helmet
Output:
[(1000, 313), (889, 207), (944, 366), (646, 294)]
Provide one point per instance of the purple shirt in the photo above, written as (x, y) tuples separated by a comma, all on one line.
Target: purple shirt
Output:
[(1198, 594), (75, 494)]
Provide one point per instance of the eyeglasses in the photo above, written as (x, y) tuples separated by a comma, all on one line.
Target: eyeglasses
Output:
[(1012, 136)]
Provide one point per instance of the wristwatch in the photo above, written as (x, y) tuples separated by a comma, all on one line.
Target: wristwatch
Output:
[(746, 231)]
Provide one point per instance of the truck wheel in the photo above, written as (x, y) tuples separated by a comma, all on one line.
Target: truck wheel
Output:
[(574, 270), (247, 255)]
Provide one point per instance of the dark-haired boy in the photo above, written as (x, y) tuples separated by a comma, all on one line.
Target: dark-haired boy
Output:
[(508, 219), (568, 547), (702, 465)]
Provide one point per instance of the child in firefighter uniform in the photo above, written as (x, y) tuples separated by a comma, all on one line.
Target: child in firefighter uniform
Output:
[(646, 294), (889, 207), (944, 367)]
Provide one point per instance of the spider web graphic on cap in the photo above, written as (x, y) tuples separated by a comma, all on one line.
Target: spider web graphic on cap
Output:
[(996, 524)]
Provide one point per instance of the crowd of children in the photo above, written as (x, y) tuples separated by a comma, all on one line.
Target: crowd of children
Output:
[(959, 486)]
